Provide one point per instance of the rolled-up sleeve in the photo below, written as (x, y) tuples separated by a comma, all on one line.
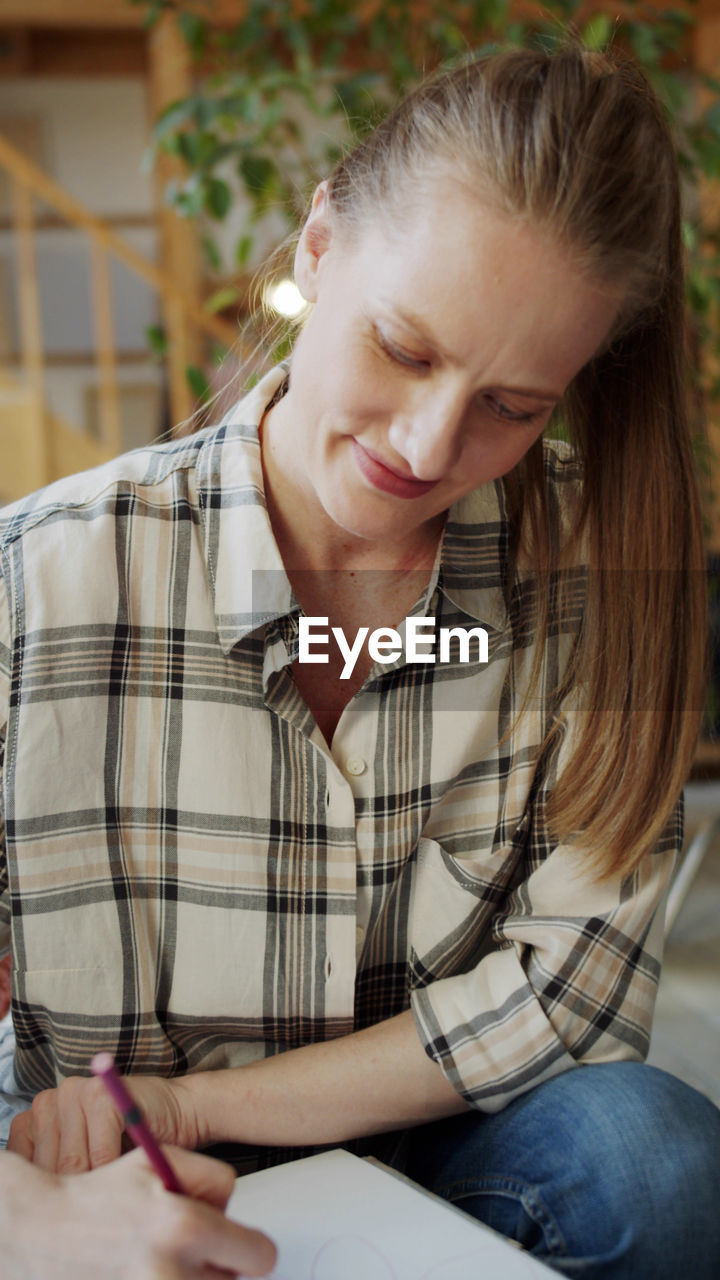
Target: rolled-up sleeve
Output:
[(570, 976)]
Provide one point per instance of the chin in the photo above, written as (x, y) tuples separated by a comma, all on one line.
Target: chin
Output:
[(355, 527), (373, 517), (384, 529)]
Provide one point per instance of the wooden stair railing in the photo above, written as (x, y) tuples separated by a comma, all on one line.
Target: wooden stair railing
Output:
[(44, 443), (24, 422)]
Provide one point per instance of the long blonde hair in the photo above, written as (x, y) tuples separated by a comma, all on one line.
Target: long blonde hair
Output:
[(577, 144)]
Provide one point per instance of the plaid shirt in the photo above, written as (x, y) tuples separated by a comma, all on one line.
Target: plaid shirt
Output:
[(192, 879)]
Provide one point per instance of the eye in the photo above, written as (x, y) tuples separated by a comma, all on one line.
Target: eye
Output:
[(399, 355), (513, 415)]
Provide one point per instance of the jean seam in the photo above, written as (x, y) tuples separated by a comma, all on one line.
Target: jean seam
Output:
[(525, 1192)]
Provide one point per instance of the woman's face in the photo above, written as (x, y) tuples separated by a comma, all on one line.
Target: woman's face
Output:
[(430, 362)]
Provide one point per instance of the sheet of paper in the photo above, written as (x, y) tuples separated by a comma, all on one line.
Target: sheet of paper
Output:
[(336, 1217)]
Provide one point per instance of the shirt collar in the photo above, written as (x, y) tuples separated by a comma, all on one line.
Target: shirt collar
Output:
[(474, 555), (248, 581), (246, 574)]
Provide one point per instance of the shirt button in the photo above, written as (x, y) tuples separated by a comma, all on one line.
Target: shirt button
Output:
[(355, 765)]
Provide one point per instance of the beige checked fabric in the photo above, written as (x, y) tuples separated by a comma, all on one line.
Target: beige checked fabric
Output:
[(192, 879)]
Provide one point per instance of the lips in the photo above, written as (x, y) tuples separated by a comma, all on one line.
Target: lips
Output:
[(382, 477)]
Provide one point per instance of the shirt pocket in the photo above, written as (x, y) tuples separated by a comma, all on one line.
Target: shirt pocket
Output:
[(62, 1017), (452, 906), (76, 993)]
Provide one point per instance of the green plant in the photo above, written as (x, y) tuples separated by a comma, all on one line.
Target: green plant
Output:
[(337, 66)]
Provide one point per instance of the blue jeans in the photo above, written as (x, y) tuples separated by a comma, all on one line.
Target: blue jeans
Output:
[(606, 1171)]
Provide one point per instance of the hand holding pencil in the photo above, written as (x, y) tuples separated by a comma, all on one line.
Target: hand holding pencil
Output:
[(155, 1214), (119, 1223), (103, 1066), (78, 1126)]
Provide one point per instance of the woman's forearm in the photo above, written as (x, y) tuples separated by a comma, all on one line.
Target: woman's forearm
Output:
[(369, 1082), (373, 1081)]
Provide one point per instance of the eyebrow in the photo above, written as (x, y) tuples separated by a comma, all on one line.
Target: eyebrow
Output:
[(415, 323)]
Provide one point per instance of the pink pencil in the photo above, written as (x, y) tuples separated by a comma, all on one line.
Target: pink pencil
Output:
[(103, 1065)]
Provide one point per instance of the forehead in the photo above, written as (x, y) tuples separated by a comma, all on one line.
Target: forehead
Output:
[(491, 290)]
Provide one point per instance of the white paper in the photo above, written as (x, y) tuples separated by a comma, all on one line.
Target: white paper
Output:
[(336, 1217)]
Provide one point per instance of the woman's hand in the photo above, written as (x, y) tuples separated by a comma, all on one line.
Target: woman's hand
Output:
[(372, 1081), (120, 1223), (77, 1126)]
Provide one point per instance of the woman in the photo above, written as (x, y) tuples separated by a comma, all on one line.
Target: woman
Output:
[(329, 901)]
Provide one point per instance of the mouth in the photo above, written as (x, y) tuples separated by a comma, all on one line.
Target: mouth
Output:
[(383, 477)]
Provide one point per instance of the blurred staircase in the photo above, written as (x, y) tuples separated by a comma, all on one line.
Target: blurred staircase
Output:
[(36, 445)]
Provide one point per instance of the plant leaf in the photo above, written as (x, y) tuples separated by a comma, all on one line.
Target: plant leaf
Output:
[(198, 383), (222, 298)]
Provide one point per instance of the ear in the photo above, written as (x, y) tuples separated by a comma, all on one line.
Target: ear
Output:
[(313, 244)]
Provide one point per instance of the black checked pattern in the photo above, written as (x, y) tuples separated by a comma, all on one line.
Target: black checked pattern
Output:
[(190, 877)]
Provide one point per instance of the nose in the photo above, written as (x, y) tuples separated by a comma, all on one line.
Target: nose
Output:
[(428, 433)]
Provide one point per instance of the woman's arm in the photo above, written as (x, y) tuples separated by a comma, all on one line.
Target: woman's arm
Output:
[(572, 979), (369, 1082)]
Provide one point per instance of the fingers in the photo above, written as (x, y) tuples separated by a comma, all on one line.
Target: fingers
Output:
[(104, 1123), (186, 1236), (203, 1177), (45, 1131), (178, 1271), (72, 1153), (79, 1127), (69, 1129), (34, 1134), (204, 1237), (223, 1242), (20, 1140), (162, 1269), (72, 1129), (201, 1238)]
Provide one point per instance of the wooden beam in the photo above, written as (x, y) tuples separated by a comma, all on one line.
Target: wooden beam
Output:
[(108, 399), (83, 52), (106, 14), (70, 13), (37, 450), (118, 221)]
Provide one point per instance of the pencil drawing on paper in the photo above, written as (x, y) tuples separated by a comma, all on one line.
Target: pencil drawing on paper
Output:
[(352, 1257)]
